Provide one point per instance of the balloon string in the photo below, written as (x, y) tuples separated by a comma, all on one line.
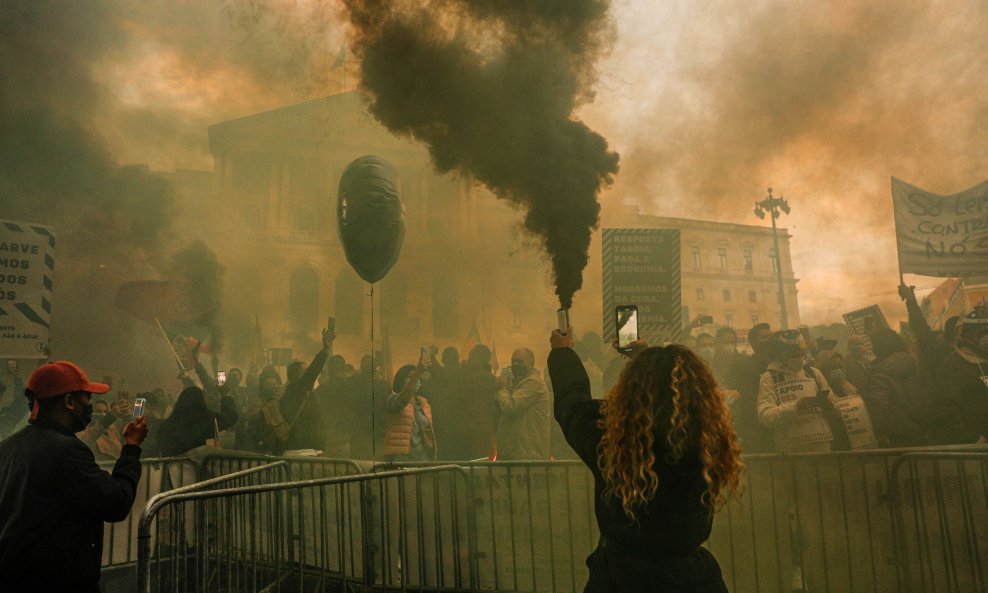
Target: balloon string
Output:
[(373, 370)]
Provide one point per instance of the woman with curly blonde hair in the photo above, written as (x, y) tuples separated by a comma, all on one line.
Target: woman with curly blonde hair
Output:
[(664, 458)]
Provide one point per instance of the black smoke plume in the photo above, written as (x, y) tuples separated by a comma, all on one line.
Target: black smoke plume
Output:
[(491, 88), (196, 265)]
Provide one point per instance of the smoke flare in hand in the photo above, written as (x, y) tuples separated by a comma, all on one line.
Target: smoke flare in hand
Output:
[(490, 87)]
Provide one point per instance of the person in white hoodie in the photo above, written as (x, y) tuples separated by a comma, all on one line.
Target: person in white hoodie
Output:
[(794, 399)]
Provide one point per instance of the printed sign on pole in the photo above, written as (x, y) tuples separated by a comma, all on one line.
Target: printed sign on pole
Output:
[(27, 264), (864, 322), (642, 267)]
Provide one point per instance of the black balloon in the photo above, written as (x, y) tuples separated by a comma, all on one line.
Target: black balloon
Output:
[(371, 216)]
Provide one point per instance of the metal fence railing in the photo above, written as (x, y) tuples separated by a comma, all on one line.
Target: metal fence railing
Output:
[(301, 468), (408, 529), (904, 521), (941, 502), (157, 475), (872, 521)]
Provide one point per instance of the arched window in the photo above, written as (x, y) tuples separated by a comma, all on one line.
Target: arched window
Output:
[(303, 298), (349, 310)]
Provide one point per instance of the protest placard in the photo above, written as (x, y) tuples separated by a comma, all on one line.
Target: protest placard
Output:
[(27, 264), (857, 422), (641, 267), (863, 322)]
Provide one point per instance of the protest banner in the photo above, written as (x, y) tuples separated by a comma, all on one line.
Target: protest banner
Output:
[(809, 426), (863, 322), (857, 422), (941, 235), (642, 267), (27, 264)]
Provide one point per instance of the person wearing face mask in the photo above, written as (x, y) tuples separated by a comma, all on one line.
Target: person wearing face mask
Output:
[(960, 405), (855, 412), (54, 499), (794, 400), (523, 398), (744, 378), (409, 434), (895, 392), (705, 348), (102, 435), (726, 354), (856, 364)]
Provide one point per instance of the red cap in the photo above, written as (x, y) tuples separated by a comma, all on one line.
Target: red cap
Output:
[(58, 378)]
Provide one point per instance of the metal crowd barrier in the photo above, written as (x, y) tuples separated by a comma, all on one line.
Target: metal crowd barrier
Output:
[(534, 523), (872, 521), (941, 502), (877, 521), (408, 529), (157, 475), (301, 468)]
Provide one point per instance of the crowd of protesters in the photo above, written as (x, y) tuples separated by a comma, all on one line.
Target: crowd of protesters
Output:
[(790, 392)]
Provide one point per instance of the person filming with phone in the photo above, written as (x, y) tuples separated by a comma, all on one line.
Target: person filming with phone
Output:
[(54, 499), (664, 458)]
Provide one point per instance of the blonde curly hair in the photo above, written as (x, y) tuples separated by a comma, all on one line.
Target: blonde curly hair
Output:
[(666, 393)]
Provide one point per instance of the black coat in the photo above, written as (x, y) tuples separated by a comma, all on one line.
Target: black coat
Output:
[(53, 502), (661, 552), (192, 423)]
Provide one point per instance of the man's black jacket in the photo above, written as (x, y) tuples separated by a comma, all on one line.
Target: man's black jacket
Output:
[(53, 502)]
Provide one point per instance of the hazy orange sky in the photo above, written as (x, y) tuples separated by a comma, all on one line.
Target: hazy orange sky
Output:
[(707, 102)]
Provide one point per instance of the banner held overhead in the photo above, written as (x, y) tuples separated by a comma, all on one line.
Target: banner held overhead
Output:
[(939, 235)]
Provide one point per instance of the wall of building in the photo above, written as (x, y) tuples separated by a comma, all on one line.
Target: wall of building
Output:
[(465, 260)]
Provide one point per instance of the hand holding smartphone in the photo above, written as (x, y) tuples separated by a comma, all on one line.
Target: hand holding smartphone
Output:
[(139, 404), (626, 320)]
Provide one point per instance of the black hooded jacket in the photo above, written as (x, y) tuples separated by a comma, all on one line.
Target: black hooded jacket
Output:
[(661, 551), (54, 500), (192, 422)]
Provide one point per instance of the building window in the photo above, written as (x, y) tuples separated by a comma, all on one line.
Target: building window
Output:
[(754, 319), (349, 310), (251, 216), (722, 257), (752, 296), (515, 317), (727, 295), (695, 254), (308, 178), (394, 304), (445, 308), (729, 319), (749, 266), (775, 260), (252, 174), (303, 298), (305, 221), (699, 294)]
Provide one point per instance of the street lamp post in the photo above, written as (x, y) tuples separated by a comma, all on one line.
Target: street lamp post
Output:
[(774, 206)]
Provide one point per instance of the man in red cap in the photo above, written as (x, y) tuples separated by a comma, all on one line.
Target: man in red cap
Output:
[(53, 497)]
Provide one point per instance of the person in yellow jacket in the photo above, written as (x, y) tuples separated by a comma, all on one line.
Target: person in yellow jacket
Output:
[(409, 434)]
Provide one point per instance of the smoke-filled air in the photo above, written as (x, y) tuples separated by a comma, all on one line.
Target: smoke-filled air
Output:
[(491, 87), (494, 295)]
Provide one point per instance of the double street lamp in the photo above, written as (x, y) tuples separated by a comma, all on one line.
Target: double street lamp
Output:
[(774, 206)]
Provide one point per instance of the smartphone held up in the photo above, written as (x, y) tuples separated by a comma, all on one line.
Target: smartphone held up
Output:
[(626, 320), (139, 404)]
